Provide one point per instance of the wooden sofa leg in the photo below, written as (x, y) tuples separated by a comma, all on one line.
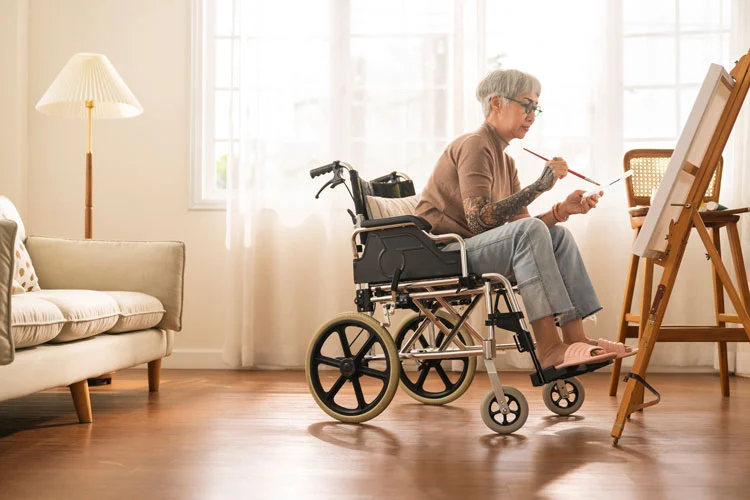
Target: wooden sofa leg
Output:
[(82, 401), (154, 373)]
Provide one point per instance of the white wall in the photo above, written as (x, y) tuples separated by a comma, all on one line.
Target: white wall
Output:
[(140, 164)]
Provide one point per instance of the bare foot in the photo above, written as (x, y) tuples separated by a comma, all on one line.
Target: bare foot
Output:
[(596, 343), (553, 355), (570, 339)]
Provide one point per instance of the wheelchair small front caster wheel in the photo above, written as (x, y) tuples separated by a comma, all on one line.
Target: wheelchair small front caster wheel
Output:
[(505, 423), (433, 381), (352, 367), (564, 396)]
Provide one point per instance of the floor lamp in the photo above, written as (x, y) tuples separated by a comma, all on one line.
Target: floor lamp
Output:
[(89, 87)]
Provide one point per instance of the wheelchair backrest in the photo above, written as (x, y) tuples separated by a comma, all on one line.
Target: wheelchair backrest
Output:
[(385, 196)]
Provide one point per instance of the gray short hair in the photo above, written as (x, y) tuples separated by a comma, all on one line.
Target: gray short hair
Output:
[(507, 83)]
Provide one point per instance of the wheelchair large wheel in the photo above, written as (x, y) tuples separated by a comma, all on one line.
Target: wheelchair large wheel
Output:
[(352, 367), (431, 381), (564, 397), (509, 422)]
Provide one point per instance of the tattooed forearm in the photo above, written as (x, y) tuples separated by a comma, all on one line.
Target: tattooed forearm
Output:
[(482, 214)]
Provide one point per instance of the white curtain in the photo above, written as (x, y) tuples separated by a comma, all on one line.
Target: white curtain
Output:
[(385, 86), (740, 165), (369, 83)]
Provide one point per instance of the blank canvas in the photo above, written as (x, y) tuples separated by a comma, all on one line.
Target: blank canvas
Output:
[(691, 148)]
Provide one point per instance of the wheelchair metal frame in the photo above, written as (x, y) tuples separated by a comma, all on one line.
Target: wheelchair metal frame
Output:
[(427, 296)]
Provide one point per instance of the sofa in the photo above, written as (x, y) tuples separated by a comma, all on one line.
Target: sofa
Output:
[(93, 307)]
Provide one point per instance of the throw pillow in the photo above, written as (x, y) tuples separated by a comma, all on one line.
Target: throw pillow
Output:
[(380, 208), (24, 275)]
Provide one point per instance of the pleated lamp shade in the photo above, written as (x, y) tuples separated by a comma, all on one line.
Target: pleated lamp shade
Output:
[(89, 77)]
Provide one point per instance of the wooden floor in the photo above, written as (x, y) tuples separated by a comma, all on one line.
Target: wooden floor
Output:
[(231, 434)]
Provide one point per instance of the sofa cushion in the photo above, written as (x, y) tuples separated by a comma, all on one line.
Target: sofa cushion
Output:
[(86, 312), (138, 311), (34, 321)]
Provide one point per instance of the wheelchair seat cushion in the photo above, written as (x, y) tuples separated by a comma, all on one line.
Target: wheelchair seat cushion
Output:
[(380, 208)]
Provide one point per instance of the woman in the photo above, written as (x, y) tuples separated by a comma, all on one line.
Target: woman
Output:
[(474, 191)]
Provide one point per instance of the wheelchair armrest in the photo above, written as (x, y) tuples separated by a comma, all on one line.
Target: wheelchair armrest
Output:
[(400, 219)]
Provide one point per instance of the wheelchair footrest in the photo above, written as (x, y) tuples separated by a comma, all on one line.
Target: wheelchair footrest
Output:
[(551, 374)]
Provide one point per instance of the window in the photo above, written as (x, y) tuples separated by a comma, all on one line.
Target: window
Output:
[(367, 82), (386, 85), (617, 76), (667, 49)]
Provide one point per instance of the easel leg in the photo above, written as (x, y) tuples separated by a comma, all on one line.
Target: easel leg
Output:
[(647, 339), (719, 309), (622, 334), (739, 264), (630, 399), (648, 284), (739, 267)]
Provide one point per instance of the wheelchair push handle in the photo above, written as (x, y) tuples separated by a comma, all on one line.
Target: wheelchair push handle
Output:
[(325, 169), (392, 177), (338, 168)]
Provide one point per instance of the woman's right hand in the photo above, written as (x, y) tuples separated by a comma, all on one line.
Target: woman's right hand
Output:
[(555, 169)]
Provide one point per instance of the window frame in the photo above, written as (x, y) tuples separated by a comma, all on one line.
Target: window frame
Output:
[(200, 194)]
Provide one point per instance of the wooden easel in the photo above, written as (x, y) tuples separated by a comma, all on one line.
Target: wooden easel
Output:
[(677, 242)]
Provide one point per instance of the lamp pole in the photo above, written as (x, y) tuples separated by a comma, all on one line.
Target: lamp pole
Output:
[(88, 212)]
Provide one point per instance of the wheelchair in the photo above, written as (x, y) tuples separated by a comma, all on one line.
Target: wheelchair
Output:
[(354, 365)]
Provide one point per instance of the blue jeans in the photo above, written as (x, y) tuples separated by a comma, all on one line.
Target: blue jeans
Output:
[(543, 261)]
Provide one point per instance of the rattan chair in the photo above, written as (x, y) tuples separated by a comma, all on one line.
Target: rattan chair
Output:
[(648, 167)]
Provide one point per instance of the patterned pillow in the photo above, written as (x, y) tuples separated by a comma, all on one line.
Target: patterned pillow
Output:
[(24, 275)]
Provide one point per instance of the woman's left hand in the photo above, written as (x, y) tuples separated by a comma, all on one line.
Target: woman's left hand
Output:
[(576, 203)]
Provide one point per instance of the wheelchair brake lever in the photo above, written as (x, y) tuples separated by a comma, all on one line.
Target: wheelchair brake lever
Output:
[(317, 195)]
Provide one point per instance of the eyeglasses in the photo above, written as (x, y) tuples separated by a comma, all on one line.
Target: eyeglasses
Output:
[(529, 107)]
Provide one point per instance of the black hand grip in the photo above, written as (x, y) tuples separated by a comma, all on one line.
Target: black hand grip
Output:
[(386, 178), (324, 169)]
